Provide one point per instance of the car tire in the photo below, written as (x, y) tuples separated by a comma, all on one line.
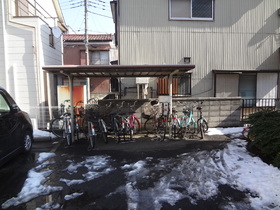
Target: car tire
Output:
[(27, 141)]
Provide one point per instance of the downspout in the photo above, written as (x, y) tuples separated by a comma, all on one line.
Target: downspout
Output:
[(4, 43)]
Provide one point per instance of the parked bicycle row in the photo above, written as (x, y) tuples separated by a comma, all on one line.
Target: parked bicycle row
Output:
[(95, 122), (161, 121)]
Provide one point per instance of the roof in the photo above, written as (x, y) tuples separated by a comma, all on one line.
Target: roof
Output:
[(119, 70), (91, 37)]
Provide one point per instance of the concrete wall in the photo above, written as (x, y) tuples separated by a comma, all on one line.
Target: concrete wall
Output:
[(219, 112)]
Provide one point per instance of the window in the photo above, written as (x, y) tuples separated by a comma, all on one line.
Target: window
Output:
[(247, 86), (100, 58), (191, 9), (181, 86), (4, 106)]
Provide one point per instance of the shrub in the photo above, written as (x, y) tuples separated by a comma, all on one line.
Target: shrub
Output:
[(266, 135)]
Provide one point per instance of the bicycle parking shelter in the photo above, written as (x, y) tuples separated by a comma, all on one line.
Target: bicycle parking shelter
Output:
[(86, 71)]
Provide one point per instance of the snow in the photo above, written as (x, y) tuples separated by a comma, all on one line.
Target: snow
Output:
[(33, 186), (39, 133), (194, 175)]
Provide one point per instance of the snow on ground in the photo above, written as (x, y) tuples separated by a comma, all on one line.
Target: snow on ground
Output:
[(40, 133), (33, 186), (195, 176)]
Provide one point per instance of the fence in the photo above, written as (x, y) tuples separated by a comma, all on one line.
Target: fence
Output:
[(250, 106)]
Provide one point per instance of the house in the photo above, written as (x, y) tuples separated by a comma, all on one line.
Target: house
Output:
[(102, 51), (30, 38), (235, 45)]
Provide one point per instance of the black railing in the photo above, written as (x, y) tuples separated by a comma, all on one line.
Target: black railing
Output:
[(250, 106)]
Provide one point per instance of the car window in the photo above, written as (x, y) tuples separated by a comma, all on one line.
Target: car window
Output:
[(4, 106)]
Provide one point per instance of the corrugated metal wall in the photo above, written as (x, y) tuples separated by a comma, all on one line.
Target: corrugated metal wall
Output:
[(243, 35)]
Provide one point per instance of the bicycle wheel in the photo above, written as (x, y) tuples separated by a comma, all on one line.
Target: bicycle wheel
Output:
[(117, 130), (191, 127), (175, 129), (135, 126), (200, 128), (204, 125), (103, 131), (68, 139), (161, 129), (57, 127), (150, 126), (91, 139)]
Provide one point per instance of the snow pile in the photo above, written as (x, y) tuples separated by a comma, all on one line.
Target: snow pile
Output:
[(40, 133), (34, 185), (198, 175)]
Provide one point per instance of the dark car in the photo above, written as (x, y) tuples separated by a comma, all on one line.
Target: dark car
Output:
[(16, 133)]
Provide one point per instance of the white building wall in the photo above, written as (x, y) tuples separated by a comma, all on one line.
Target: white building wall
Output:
[(26, 50)]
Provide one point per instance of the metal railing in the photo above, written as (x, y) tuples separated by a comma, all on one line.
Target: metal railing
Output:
[(250, 106)]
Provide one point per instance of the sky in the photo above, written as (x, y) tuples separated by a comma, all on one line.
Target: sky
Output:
[(199, 173), (99, 16)]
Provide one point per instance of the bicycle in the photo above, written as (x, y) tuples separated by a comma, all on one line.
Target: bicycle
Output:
[(246, 132), (61, 126), (150, 125), (134, 123), (96, 126), (162, 122), (122, 124), (176, 125), (202, 123)]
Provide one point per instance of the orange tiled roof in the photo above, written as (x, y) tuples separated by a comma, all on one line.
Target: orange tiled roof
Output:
[(91, 37)]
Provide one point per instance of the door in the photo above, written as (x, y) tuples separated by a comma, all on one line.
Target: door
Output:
[(8, 128)]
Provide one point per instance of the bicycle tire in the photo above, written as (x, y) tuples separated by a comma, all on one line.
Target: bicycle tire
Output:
[(161, 129), (136, 126), (150, 126), (191, 127), (57, 127), (103, 132), (117, 130), (68, 139), (92, 140), (204, 125), (200, 128), (175, 129)]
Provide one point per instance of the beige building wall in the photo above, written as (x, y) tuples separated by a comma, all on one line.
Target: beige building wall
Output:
[(244, 35)]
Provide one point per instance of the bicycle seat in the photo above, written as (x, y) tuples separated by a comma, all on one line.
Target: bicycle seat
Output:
[(154, 103)]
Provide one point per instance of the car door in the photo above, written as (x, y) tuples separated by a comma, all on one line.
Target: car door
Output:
[(8, 125)]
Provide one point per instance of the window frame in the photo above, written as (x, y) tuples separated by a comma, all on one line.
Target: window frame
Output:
[(190, 18), (162, 87)]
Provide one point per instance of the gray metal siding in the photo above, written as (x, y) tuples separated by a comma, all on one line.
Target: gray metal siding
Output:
[(243, 35)]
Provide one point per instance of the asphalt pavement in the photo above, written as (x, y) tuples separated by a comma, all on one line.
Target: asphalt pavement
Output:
[(106, 191)]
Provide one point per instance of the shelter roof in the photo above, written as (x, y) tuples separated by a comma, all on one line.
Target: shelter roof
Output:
[(119, 70)]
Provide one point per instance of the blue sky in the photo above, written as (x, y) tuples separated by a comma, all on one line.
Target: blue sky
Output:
[(99, 16)]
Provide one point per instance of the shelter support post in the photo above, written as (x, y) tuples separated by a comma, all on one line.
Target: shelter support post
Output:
[(170, 84), (70, 78)]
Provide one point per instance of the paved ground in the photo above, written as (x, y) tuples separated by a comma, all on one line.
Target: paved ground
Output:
[(105, 192)]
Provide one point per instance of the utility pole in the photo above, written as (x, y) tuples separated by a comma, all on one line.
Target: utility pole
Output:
[(86, 32), (86, 47)]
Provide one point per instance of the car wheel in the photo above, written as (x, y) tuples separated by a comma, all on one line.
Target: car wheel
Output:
[(27, 142)]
